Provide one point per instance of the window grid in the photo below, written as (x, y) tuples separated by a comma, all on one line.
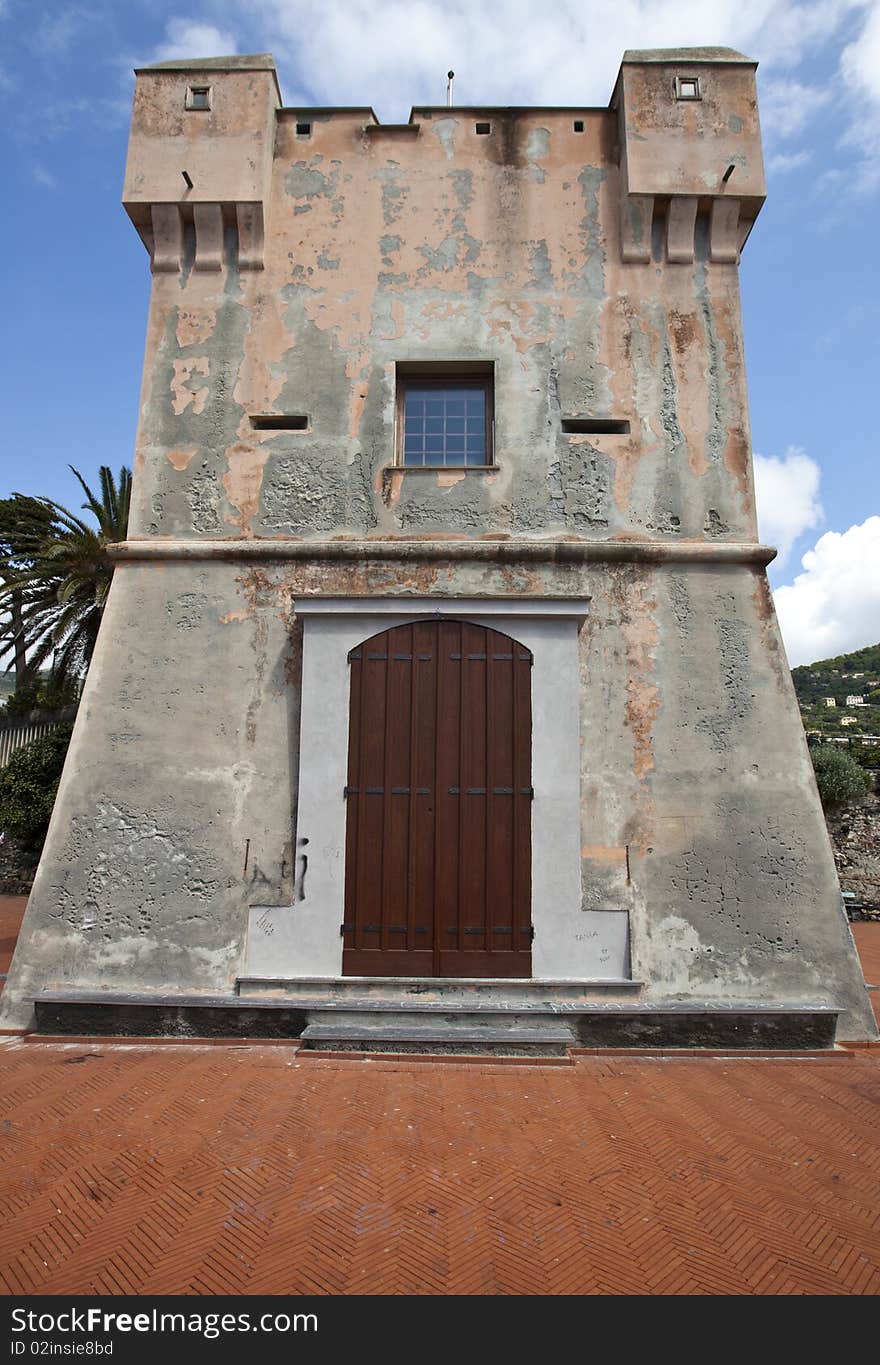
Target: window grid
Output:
[(444, 425)]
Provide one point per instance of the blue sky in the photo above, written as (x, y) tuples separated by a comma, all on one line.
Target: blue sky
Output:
[(77, 278)]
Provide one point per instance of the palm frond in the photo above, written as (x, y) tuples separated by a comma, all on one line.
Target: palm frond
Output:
[(57, 566)]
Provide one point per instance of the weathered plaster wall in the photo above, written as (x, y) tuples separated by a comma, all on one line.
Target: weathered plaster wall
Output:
[(684, 147), (177, 811), (177, 805), (180, 156), (699, 820), (444, 244), (698, 802)]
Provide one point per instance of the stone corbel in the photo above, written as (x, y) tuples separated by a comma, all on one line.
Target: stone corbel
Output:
[(724, 231), (167, 237), (681, 222), (636, 215), (208, 220), (249, 218)]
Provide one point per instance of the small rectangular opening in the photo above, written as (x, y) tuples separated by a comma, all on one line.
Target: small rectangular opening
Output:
[(687, 88), (608, 426), (304, 130), (294, 421), (198, 97), (483, 128), (578, 125)]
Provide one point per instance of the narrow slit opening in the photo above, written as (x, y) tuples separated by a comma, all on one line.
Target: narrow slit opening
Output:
[(281, 422), (610, 426)]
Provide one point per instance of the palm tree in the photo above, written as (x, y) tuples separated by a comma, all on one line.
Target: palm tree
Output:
[(57, 575), (21, 519)]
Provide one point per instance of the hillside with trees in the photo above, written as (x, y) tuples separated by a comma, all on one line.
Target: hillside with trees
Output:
[(847, 675)]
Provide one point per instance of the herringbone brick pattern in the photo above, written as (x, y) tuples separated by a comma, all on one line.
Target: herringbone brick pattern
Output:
[(867, 937), (193, 1169), (11, 914)]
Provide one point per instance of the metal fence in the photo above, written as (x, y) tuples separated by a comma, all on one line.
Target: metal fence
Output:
[(18, 735)]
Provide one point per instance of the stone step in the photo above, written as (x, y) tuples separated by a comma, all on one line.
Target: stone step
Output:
[(429, 992), (384, 1034), (370, 1006), (602, 1023), (418, 1018)]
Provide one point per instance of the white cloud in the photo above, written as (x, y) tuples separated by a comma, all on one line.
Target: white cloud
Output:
[(834, 605), (55, 33), (396, 53), (59, 116), (860, 69), (44, 178), (788, 31), (782, 162), (787, 106), (787, 498), (190, 38), (860, 59)]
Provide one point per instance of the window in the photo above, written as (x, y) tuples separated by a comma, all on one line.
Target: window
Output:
[(483, 128), (578, 125), (198, 97), (304, 130), (687, 88), (444, 419)]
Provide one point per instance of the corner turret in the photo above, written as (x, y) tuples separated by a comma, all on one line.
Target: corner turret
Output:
[(200, 156), (690, 144)]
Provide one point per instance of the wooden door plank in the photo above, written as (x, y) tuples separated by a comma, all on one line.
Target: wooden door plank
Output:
[(472, 902), (448, 808), (424, 785), (438, 828), (372, 785), (500, 801), (396, 783)]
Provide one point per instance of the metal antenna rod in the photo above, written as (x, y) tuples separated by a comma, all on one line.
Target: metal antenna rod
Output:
[(450, 77)]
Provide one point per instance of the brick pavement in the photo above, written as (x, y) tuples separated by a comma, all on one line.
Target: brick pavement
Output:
[(186, 1169), (867, 937), (11, 915), (235, 1169)]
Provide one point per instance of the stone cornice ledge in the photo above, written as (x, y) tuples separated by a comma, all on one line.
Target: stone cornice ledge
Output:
[(482, 551)]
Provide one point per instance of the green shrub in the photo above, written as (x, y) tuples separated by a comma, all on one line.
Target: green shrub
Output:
[(838, 776), (28, 785), (866, 755), (44, 695)]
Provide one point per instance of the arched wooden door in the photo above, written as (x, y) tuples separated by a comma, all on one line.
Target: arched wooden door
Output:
[(438, 835)]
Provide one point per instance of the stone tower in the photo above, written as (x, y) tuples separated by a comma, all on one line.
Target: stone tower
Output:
[(441, 663)]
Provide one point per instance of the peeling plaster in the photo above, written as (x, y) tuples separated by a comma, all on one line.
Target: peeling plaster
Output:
[(185, 387), (181, 459), (445, 247), (242, 482), (195, 325), (444, 130)]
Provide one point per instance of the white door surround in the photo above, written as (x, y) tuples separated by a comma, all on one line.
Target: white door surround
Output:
[(304, 940)]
